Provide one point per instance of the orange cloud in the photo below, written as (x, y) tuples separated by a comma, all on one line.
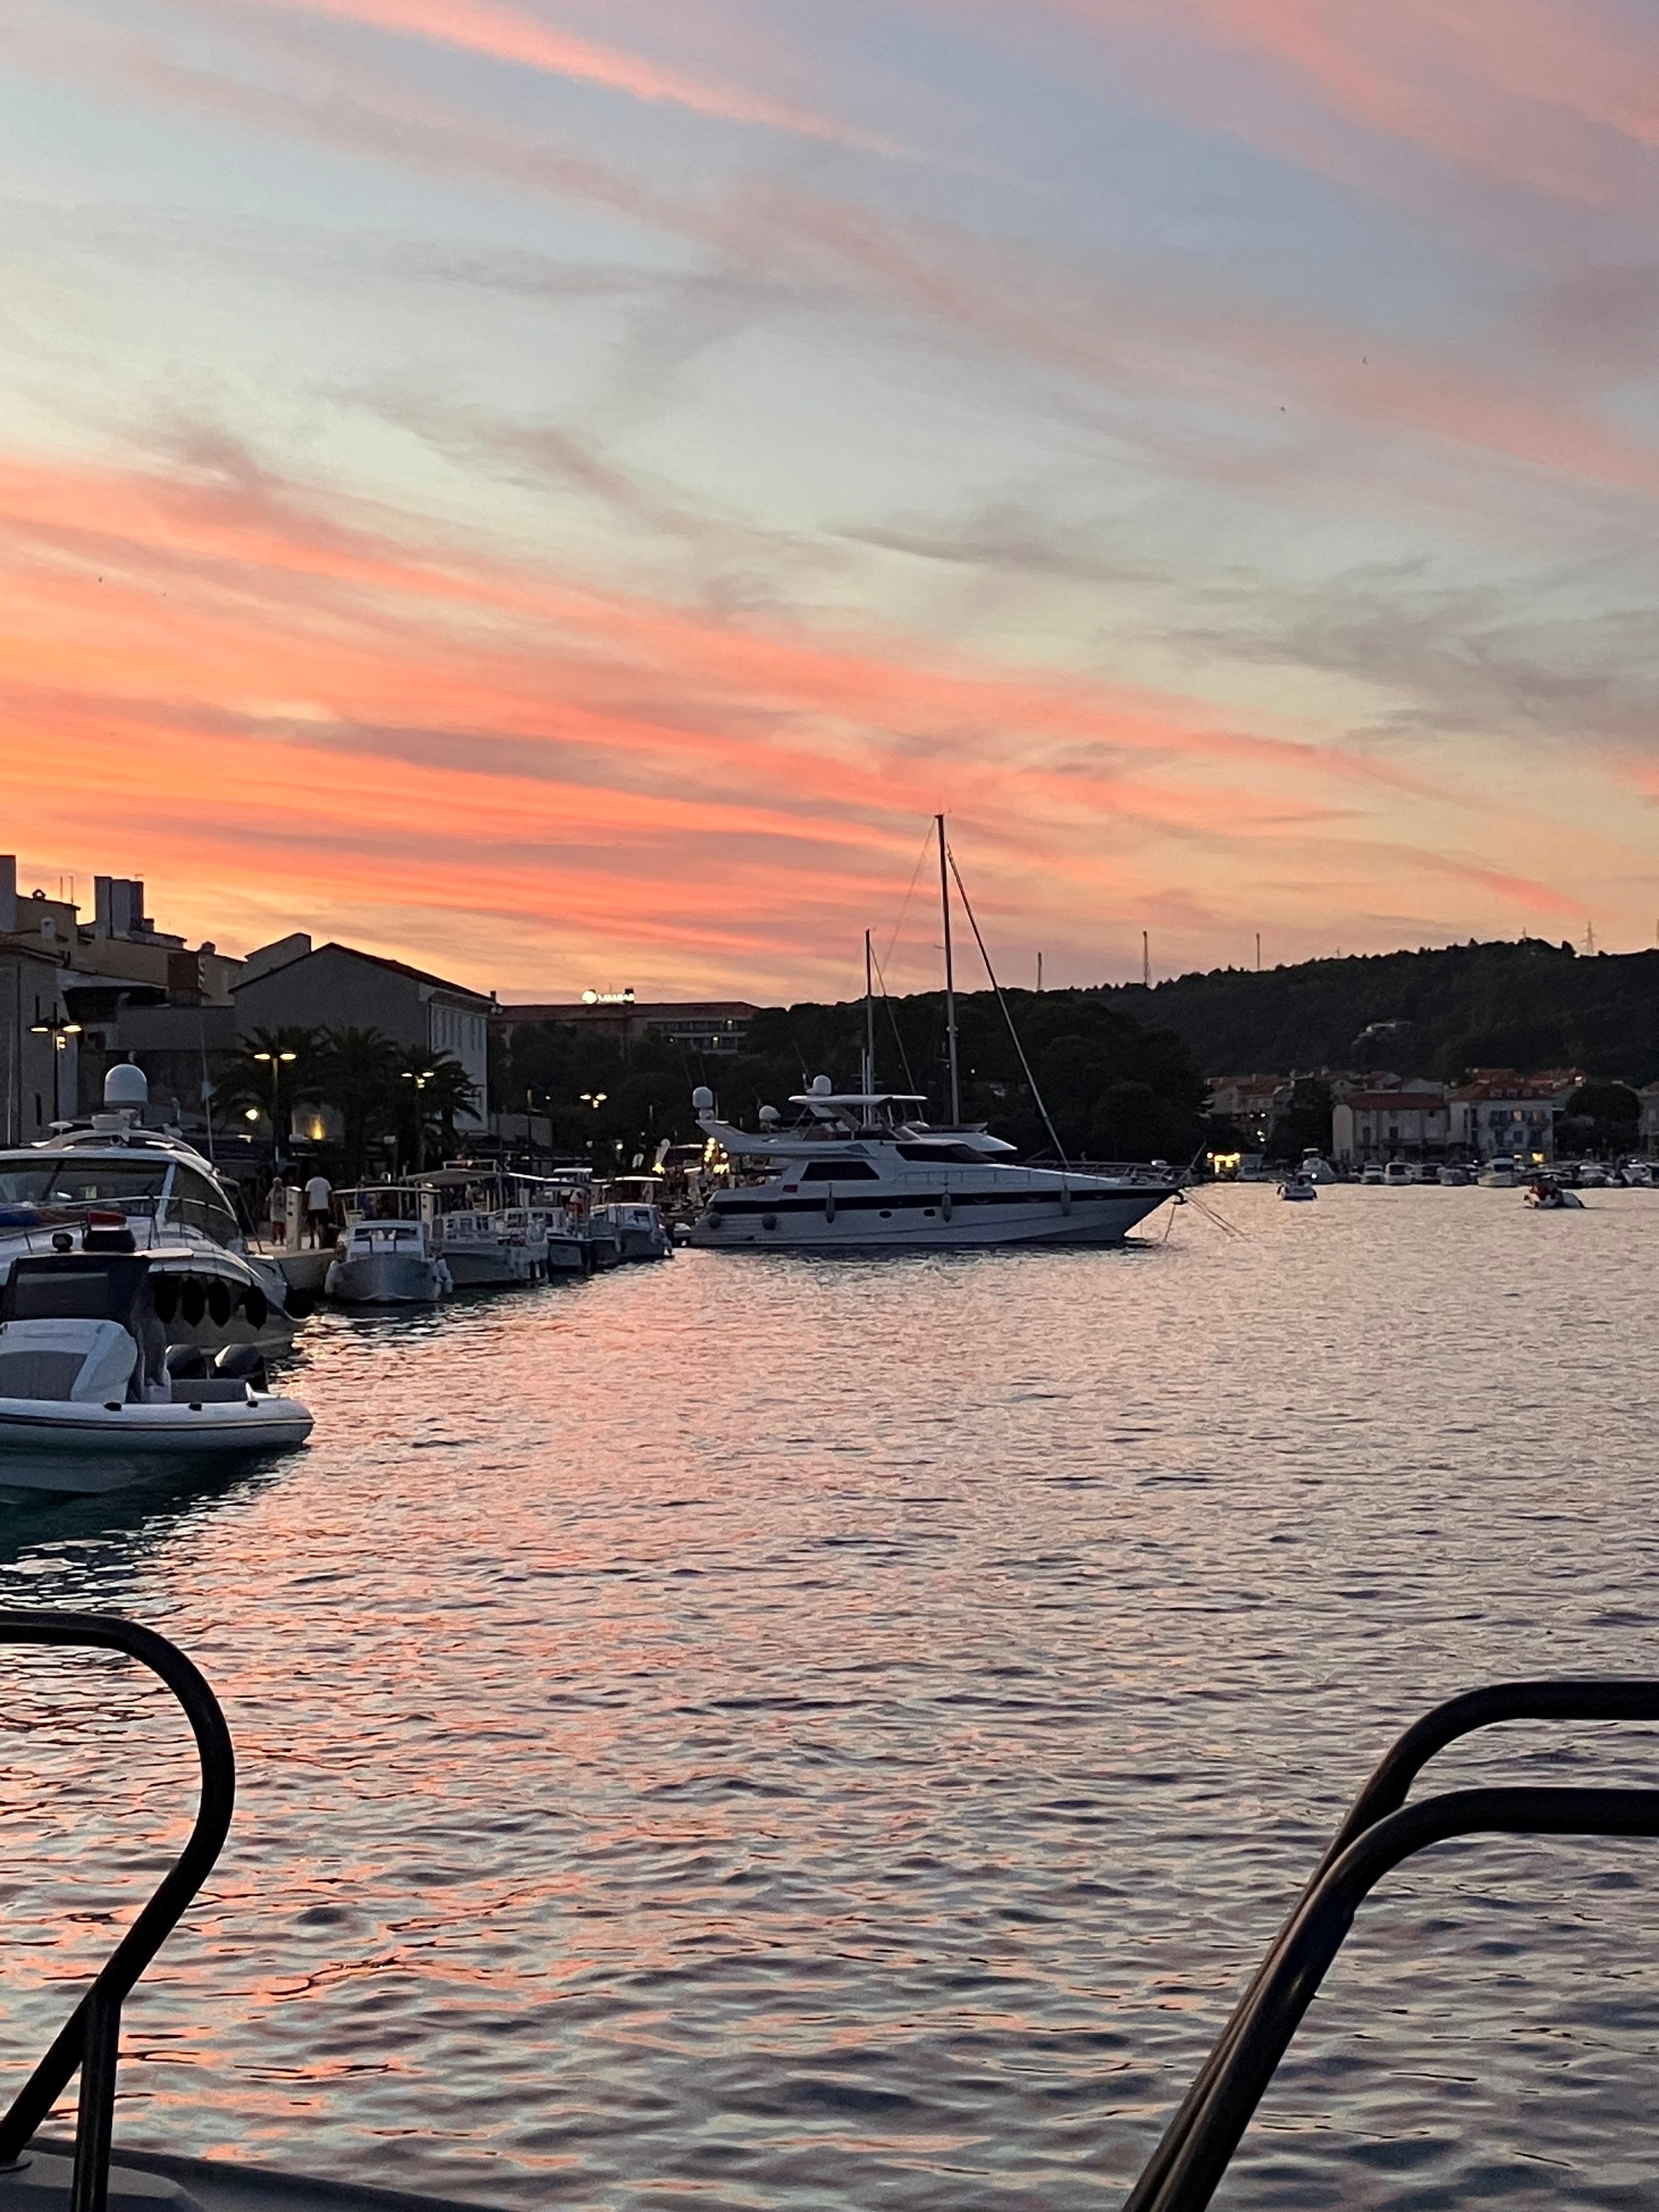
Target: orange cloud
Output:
[(258, 690), (509, 34)]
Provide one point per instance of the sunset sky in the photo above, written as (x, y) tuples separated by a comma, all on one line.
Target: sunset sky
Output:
[(560, 492)]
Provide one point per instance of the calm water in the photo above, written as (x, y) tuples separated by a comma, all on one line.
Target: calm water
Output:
[(755, 1733)]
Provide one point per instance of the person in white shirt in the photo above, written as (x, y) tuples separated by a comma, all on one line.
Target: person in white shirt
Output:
[(319, 1192)]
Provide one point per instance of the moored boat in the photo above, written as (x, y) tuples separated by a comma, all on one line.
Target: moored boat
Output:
[(385, 1257), (114, 1185), (90, 1397), (863, 1171)]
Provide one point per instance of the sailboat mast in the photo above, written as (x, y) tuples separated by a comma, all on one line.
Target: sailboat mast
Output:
[(949, 980), (869, 1018)]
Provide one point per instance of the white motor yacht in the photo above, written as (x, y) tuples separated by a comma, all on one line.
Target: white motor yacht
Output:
[(1397, 1174), (114, 1185), (1298, 1188), (385, 1256), (90, 1398), (1500, 1173), (1315, 1168), (861, 1171), (1371, 1174), (1457, 1178)]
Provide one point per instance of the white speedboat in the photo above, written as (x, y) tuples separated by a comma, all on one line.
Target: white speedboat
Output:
[(385, 1256), (1456, 1177), (1500, 1173), (1371, 1173), (90, 1398), (114, 1185), (1299, 1187), (1315, 1168), (861, 1171), (1397, 1174)]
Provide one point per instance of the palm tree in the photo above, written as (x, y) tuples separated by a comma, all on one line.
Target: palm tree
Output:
[(357, 1074), (435, 1089), (274, 1070)]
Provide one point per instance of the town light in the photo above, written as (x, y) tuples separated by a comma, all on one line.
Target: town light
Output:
[(594, 1098)]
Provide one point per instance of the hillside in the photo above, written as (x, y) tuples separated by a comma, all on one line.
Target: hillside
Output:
[(1526, 1005)]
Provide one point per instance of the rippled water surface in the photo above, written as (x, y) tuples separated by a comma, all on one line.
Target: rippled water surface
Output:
[(756, 1732)]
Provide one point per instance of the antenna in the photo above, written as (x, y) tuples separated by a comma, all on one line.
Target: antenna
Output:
[(1258, 952), (1145, 962), (1589, 939), (1656, 935), (950, 980)]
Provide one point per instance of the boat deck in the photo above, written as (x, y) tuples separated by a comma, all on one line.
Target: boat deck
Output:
[(153, 2181)]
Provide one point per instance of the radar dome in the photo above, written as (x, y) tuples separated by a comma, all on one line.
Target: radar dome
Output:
[(125, 1086), (823, 1087), (702, 1099), (769, 1117)]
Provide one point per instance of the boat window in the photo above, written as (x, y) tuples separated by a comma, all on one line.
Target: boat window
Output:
[(195, 1202), (840, 1171), (67, 1181), (962, 1155)]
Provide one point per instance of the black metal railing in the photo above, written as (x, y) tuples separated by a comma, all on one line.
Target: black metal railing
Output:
[(1380, 1831), (90, 2038)]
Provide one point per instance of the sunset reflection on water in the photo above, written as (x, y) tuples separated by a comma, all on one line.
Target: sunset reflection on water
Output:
[(773, 1732)]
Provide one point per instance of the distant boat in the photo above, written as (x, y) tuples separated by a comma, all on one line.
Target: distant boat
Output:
[(385, 1258), (1298, 1187), (1499, 1174), (1397, 1174)]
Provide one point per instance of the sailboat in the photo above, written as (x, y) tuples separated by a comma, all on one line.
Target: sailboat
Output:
[(864, 1170)]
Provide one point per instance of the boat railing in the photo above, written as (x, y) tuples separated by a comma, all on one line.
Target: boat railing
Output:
[(90, 2038), (1380, 1831)]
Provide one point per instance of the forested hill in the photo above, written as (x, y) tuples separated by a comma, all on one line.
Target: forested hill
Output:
[(1524, 1005)]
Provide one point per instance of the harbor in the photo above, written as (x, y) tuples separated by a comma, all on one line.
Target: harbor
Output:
[(680, 1752)]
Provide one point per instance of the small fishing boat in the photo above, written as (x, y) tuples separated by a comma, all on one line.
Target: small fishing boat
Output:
[(1397, 1174), (385, 1257), (1299, 1187), (1455, 1176), (1499, 1174), (1314, 1167), (1545, 1195), (91, 1399), (630, 1211), (1371, 1174)]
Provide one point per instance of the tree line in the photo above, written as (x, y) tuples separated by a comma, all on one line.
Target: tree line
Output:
[(387, 1096), (1113, 1086)]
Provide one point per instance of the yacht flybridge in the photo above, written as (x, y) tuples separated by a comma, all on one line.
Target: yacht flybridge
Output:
[(862, 1170), (115, 1186)]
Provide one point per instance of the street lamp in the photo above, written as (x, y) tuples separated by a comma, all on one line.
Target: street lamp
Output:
[(277, 1062), (419, 1078), (60, 1031), (594, 1098)]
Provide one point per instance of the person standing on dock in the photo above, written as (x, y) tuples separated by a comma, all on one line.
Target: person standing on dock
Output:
[(318, 1192), (276, 1209)]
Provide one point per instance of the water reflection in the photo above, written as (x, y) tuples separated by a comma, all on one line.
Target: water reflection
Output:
[(773, 1729)]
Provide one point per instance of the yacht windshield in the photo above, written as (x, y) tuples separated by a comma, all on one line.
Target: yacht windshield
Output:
[(67, 1180)]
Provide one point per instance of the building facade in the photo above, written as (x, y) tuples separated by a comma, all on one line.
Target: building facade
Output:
[(704, 1025), (1386, 1125), (336, 987), (1500, 1113)]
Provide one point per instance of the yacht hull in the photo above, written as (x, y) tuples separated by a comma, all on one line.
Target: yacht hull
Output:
[(386, 1280), (975, 1220), (492, 1267)]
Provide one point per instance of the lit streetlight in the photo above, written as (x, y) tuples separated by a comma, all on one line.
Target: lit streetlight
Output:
[(419, 1078), (277, 1062), (60, 1031)]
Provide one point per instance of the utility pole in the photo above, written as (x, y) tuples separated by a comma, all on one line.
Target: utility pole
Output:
[(949, 980), (1258, 952), (1040, 962), (1145, 962)]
